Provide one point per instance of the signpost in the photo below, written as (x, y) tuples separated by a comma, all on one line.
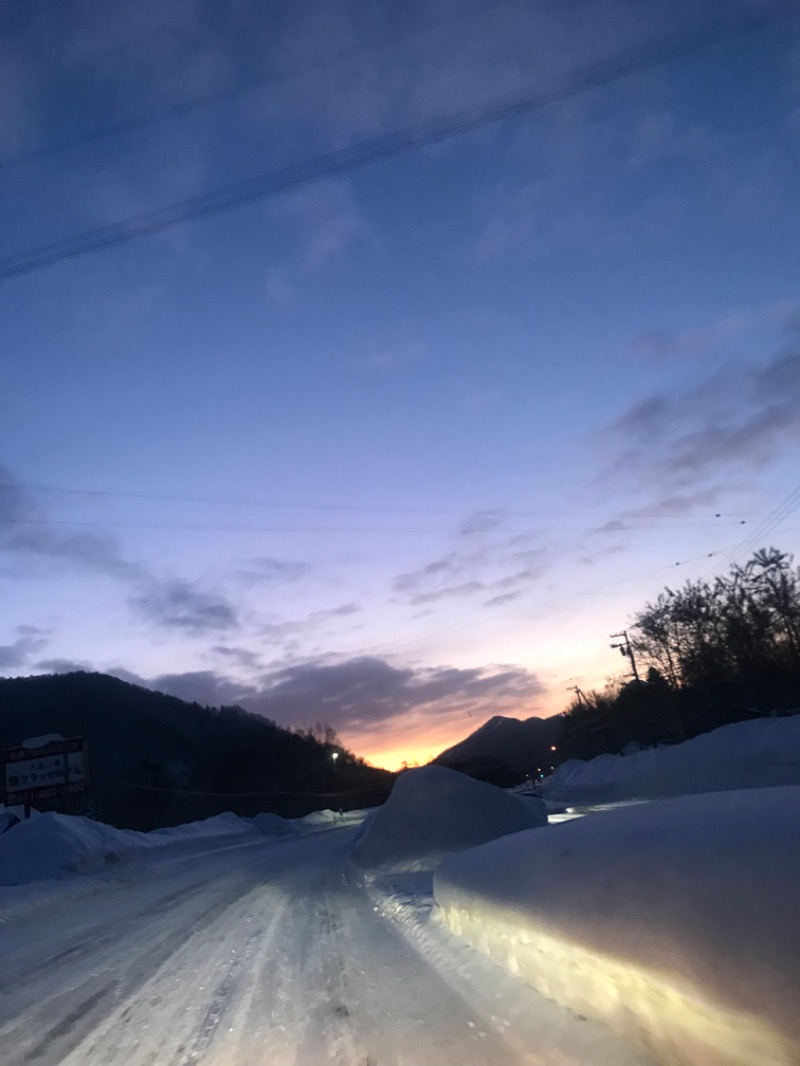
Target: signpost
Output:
[(50, 772)]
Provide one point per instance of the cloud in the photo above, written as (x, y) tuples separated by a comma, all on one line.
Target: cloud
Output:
[(268, 570), (179, 604), (676, 504), (26, 531), (30, 640), (738, 418), (466, 588), (662, 343), (279, 631), (202, 686), (477, 571), (503, 597), (243, 657), (360, 694), (481, 522), (327, 219), (344, 610), (63, 666), (535, 561), (173, 603), (444, 566)]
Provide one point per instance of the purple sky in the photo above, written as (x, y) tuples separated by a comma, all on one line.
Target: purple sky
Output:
[(400, 449)]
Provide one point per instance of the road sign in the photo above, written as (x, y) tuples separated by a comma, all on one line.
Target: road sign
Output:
[(49, 772)]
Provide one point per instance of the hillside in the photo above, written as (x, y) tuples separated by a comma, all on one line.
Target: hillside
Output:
[(503, 749), (155, 760)]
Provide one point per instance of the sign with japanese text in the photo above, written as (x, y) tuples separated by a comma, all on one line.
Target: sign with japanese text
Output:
[(44, 773)]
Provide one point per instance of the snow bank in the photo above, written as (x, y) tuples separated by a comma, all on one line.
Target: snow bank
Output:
[(434, 811), (675, 922), (40, 742), (272, 825), (328, 819), (760, 753), (318, 819), (56, 846)]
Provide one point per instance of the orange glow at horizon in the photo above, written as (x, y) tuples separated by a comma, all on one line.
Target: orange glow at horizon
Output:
[(390, 752), (422, 734)]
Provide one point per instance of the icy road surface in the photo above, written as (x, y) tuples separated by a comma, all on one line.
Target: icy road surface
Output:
[(266, 953)]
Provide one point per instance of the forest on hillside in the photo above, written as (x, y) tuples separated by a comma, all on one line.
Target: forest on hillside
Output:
[(710, 653), (155, 760)]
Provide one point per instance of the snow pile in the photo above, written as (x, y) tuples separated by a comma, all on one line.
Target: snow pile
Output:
[(40, 742), (209, 827), (319, 819), (675, 922), (434, 811), (760, 753), (55, 846), (328, 819), (272, 825)]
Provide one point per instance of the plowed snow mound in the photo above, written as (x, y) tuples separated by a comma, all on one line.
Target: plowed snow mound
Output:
[(674, 922), (57, 846), (434, 811), (272, 825), (761, 753)]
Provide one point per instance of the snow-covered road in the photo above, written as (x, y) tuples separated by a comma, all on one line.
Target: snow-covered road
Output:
[(262, 952)]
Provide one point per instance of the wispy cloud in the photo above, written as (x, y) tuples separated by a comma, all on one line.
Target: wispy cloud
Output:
[(710, 339), (503, 598), (465, 588), (487, 570), (236, 656), (268, 570), (27, 534), (182, 605), (736, 419)]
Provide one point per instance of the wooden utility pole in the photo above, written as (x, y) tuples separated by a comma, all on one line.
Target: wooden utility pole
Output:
[(581, 698), (625, 649)]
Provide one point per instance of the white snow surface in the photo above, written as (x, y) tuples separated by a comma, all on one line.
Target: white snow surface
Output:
[(318, 819), (434, 811), (760, 753), (271, 824), (267, 952), (39, 742), (675, 922), (58, 846)]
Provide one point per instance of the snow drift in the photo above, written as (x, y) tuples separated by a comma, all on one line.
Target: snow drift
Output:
[(760, 753), (434, 811), (675, 922), (272, 825), (57, 846)]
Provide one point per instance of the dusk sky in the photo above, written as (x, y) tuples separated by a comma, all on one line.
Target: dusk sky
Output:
[(399, 449)]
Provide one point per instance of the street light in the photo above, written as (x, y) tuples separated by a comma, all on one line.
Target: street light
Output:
[(334, 756)]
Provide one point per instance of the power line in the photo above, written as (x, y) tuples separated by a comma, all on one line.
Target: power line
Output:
[(485, 512), (189, 105), (210, 527), (763, 530), (400, 141)]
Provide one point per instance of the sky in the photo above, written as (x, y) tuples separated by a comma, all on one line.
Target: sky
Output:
[(396, 449)]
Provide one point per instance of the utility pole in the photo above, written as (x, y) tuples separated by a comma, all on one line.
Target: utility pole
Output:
[(581, 698), (625, 649)]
